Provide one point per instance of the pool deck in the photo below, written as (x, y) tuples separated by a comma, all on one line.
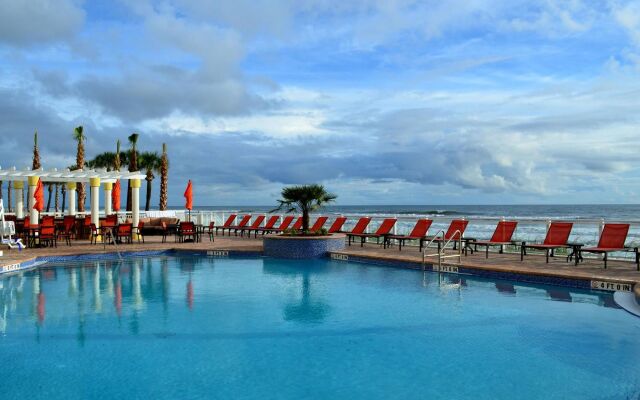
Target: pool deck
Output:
[(591, 269)]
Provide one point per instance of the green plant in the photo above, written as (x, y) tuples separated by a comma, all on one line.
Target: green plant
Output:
[(304, 199)]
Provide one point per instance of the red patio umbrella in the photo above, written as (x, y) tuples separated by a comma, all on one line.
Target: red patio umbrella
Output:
[(38, 195), (115, 196), (188, 195)]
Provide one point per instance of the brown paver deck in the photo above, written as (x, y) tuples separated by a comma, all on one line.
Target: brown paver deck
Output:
[(534, 264), (617, 271)]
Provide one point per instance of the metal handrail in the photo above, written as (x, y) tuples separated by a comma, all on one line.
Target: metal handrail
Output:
[(442, 251)]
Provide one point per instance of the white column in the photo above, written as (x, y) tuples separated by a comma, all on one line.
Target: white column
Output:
[(71, 198), (18, 190), (108, 186), (135, 201), (95, 201), (33, 213)]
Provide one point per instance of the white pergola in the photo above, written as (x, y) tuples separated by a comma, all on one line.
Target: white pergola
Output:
[(94, 177)]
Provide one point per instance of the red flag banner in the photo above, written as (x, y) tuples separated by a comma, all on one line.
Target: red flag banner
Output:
[(188, 196), (38, 195)]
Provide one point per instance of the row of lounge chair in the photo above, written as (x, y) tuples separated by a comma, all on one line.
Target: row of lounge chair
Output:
[(612, 238)]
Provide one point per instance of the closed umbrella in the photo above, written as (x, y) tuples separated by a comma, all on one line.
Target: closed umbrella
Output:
[(38, 195), (188, 195), (115, 196)]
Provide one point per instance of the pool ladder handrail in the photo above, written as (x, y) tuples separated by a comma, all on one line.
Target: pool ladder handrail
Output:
[(442, 250)]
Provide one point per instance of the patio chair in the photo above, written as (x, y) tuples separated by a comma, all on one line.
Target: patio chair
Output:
[(210, 230), (93, 234), (124, 233), (419, 232), (336, 226), (68, 228), (556, 238), (383, 230), (255, 225), (48, 236), (243, 222), (187, 230), (138, 231), (501, 237), (165, 231), (612, 240), (227, 223)]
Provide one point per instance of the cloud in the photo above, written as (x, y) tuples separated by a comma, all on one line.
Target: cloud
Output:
[(35, 22)]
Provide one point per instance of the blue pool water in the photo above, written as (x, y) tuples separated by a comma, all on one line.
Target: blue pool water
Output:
[(259, 328)]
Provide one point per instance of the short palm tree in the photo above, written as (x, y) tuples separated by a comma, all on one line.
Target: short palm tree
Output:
[(78, 136), (151, 162), (106, 160), (9, 188), (133, 163), (164, 178), (304, 199)]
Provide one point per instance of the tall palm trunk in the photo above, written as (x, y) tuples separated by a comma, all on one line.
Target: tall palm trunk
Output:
[(164, 178), (50, 189), (133, 165), (63, 190), (57, 197), (149, 179), (79, 137), (9, 187)]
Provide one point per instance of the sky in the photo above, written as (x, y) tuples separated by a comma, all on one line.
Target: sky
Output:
[(383, 102)]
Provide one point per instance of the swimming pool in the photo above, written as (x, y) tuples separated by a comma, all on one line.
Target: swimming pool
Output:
[(199, 327)]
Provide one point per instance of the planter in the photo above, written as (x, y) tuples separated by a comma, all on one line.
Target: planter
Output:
[(302, 246)]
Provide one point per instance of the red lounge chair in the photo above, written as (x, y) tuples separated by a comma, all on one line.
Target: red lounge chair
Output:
[(418, 233), (383, 230), (256, 225), (359, 228), (454, 232), (557, 237), (243, 222), (611, 240), (227, 223), (337, 225), (298, 224), (501, 236), (286, 221), (318, 224)]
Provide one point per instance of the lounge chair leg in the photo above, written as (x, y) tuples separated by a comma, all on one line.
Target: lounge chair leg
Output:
[(547, 253), (605, 260)]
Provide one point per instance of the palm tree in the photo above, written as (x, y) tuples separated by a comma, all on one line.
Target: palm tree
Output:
[(78, 136), (106, 160), (116, 162), (133, 164), (164, 178), (304, 199), (151, 162), (36, 153), (57, 202), (63, 192)]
